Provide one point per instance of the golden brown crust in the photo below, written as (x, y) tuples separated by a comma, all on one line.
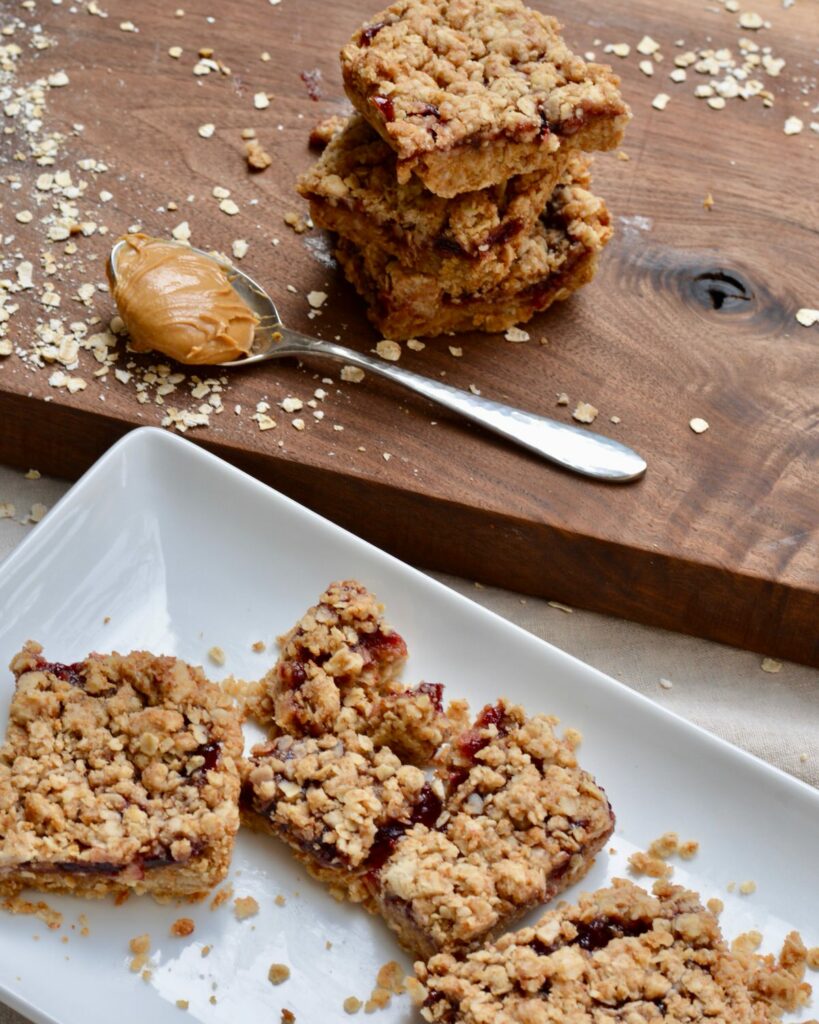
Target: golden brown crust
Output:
[(119, 773), (620, 954), (471, 92)]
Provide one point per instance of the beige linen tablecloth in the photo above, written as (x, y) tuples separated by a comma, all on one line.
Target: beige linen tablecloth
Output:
[(773, 715)]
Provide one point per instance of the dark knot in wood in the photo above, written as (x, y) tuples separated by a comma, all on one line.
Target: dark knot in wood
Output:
[(724, 291)]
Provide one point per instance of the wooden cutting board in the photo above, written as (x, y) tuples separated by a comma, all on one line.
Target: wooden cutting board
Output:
[(692, 313)]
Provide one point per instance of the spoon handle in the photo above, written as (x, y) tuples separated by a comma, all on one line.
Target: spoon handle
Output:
[(582, 451)]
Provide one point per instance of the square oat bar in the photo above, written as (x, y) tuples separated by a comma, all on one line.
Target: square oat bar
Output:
[(521, 822), (119, 774), (547, 265), (469, 93), (353, 190), (619, 954)]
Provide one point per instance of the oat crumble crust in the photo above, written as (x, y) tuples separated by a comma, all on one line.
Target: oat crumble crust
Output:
[(329, 799), (334, 663), (119, 774), (520, 823), (353, 190), (471, 92), (556, 258), (620, 954)]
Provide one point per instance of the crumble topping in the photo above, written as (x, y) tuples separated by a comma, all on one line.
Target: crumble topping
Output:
[(115, 770), (278, 973), (620, 953), (182, 928), (245, 907), (432, 75)]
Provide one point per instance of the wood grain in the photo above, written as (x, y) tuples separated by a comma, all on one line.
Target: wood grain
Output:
[(721, 539)]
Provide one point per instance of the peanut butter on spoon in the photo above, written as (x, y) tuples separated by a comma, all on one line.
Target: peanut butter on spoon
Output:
[(177, 301)]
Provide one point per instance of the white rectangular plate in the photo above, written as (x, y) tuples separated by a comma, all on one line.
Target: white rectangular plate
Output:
[(184, 552)]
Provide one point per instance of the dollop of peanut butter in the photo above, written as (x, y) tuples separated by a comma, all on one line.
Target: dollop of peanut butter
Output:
[(178, 302)]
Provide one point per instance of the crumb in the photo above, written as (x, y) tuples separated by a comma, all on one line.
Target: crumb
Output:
[(771, 665), (280, 902), (665, 846), (716, 906), (140, 946), (379, 1000), (206, 951), (747, 942), (561, 607), (807, 317), (352, 374), (793, 126), (33, 474), (258, 646), (391, 977), (328, 944), (661, 101), (217, 655), (389, 350), (352, 1004), (731, 886), (584, 413), (278, 973), (258, 159), (746, 888), (688, 849), (324, 132), (516, 335), (699, 426), (708, 202), (147, 975), (182, 1004), (50, 917), (562, 399), (288, 1017), (415, 989), (222, 896), (622, 155), (644, 864), (294, 221), (244, 907), (666, 684), (261, 101), (573, 737), (182, 927), (812, 958), (212, 1000)]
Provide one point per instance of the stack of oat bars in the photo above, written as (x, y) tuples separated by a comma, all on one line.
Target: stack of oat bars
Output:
[(460, 188)]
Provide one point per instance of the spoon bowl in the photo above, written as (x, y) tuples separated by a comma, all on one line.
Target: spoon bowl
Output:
[(574, 448)]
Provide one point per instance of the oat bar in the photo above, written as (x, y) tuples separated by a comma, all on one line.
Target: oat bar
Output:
[(119, 774), (338, 801), (469, 93), (334, 664), (353, 190), (520, 823), (556, 258), (620, 954)]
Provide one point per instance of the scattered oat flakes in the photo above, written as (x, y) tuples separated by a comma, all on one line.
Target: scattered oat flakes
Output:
[(128, 26), (206, 131), (618, 49), (37, 512), (666, 684), (217, 655), (807, 317), (699, 426), (182, 927), (614, 419), (352, 374), (456, 351), (24, 216), (244, 907), (7, 510), (585, 413), (258, 159), (647, 67), (516, 335), (746, 888), (352, 1005), (771, 665), (298, 423), (261, 101), (291, 404), (239, 247), (175, 52), (416, 345), (560, 607), (793, 126), (316, 299), (661, 101), (278, 973), (708, 202), (751, 20), (622, 155), (562, 399), (294, 221), (716, 102), (678, 75), (229, 207), (182, 231)]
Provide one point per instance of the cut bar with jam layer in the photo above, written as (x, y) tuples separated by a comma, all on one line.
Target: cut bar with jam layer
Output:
[(353, 190), (119, 774), (520, 823), (338, 670), (469, 93), (552, 261), (338, 801), (619, 954)]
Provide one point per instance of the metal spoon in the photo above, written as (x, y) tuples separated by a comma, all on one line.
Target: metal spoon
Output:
[(582, 451)]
